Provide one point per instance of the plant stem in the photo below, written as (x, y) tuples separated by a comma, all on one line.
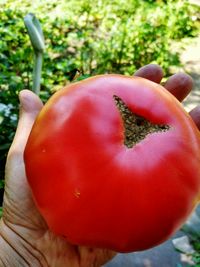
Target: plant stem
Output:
[(37, 40), (37, 72)]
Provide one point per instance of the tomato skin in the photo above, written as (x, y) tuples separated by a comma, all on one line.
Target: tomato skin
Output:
[(90, 187)]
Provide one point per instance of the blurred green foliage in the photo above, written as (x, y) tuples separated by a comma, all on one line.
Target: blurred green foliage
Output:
[(103, 36), (196, 258)]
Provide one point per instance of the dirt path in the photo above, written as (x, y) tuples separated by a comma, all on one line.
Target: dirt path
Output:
[(190, 59)]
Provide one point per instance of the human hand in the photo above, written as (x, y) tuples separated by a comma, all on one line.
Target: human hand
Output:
[(25, 237)]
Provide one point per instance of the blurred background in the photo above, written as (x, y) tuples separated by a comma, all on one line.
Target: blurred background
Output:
[(87, 37)]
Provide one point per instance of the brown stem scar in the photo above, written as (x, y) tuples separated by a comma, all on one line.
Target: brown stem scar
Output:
[(136, 127)]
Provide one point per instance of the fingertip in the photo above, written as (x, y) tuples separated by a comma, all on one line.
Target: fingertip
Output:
[(152, 72), (180, 85), (30, 106), (29, 101), (195, 114)]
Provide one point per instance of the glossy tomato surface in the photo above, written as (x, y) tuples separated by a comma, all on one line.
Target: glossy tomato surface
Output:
[(91, 187)]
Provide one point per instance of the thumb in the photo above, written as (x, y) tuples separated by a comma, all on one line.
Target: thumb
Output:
[(30, 106)]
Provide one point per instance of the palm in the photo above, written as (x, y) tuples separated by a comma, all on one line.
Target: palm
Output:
[(32, 226)]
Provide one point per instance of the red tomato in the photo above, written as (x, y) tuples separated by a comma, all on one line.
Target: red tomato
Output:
[(102, 182)]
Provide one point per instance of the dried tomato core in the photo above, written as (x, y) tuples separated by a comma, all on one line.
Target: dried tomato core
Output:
[(136, 127)]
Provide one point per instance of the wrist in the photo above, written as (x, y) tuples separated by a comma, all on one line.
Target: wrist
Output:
[(14, 250)]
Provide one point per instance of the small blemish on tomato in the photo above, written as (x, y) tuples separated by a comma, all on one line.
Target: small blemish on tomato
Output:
[(77, 193)]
